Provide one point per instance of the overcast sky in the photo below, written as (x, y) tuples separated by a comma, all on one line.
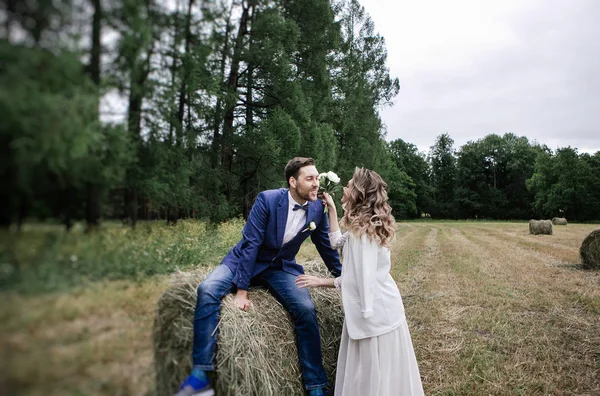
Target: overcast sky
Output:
[(475, 67)]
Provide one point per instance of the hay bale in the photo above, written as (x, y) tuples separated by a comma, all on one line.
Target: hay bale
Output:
[(590, 250), (559, 221), (256, 350), (540, 227)]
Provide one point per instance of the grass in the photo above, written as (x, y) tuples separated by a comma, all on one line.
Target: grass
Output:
[(46, 259), (492, 310), (502, 312)]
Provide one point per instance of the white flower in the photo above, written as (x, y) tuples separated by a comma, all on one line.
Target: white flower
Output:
[(73, 258), (311, 226), (322, 178), (333, 177)]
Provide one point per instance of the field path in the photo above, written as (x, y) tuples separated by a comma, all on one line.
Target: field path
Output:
[(493, 310)]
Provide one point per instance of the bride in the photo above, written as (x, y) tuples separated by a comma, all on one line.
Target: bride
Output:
[(376, 355)]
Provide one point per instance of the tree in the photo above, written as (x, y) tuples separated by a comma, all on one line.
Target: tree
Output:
[(562, 185), (407, 158), (443, 175), (491, 174), (60, 150)]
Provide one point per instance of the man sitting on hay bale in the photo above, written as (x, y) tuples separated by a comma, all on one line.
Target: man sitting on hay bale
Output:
[(280, 220)]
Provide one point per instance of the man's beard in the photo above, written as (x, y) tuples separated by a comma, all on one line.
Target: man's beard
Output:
[(304, 194)]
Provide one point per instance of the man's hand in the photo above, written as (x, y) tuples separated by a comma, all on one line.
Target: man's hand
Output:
[(241, 300)]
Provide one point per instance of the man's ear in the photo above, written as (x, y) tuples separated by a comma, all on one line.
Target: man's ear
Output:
[(292, 181)]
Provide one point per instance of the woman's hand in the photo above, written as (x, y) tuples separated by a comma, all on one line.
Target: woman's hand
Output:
[(328, 201), (304, 281)]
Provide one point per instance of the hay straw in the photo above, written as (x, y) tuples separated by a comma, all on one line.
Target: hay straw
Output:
[(540, 227), (590, 250), (256, 350), (559, 221)]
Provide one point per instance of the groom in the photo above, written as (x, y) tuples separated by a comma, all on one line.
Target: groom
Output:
[(277, 225)]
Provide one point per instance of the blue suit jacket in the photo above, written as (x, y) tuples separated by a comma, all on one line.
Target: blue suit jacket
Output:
[(262, 245)]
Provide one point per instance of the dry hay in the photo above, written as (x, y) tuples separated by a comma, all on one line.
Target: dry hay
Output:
[(559, 221), (590, 250), (540, 227), (256, 350)]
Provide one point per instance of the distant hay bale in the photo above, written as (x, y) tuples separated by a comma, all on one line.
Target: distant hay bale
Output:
[(540, 227), (559, 221), (590, 250), (256, 350)]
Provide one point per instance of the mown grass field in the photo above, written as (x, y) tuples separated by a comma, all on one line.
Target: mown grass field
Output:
[(492, 310)]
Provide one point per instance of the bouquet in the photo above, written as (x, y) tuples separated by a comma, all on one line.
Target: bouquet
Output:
[(329, 182)]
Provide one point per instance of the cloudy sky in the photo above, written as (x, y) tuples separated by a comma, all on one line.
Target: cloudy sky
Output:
[(475, 67)]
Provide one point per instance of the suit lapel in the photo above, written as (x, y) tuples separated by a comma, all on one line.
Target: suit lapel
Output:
[(282, 214), (310, 213)]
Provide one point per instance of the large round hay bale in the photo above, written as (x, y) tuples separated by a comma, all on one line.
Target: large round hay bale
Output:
[(540, 227), (256, 350), (559, 221), (590, 250)]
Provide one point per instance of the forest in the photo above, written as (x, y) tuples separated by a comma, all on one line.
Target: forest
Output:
[(142, 110)]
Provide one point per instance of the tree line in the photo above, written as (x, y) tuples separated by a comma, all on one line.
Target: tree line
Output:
[(502, 177), (216, 97)]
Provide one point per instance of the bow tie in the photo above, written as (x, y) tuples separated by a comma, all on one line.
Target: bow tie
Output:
[(303, 207)]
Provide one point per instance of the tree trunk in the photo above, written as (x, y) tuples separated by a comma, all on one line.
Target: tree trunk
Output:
[(6, 181), (93, 206), (137, 90), (67, 207), (184, 80), (247, 197), (231, 100), (215, 148), (134, 126), (94, 67), (172, 216), (5, 212), (174, 71), (134, 118)]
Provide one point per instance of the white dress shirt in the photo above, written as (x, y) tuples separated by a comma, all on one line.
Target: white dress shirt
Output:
[(371, 299), (295, 220)]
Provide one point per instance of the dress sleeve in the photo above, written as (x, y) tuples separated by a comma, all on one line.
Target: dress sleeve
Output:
[(337, 240), (365, 260), (337, 282)]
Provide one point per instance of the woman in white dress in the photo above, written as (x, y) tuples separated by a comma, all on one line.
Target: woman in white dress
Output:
[(376, 356)]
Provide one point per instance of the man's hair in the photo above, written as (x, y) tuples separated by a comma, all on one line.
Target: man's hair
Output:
[(293, 167)]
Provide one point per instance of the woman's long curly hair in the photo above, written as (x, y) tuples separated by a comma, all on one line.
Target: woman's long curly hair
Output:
[(366, 208)]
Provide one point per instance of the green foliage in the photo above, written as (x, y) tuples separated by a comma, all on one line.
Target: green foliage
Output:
[(408, 159), (491, 175), (50, 127), (219, 96), (564, 184), (443, 177), (45, 259), (401, 190)]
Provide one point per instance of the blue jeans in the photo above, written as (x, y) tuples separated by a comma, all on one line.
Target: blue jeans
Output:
[(283, 287)]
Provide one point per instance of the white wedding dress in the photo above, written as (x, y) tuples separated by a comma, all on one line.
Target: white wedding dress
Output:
[(376, 356)]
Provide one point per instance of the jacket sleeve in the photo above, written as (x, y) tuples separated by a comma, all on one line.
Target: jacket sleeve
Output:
[(365, 263), (252, 236), (330, 256)]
